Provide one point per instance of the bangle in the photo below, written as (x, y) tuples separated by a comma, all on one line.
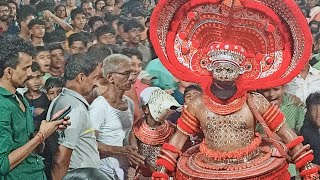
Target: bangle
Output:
[(303, 149), (171, 148), (159, 175), (295, 142), (41, 136), (302, 162), (309, 171)]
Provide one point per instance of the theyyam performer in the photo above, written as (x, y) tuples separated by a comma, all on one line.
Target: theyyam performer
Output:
[(232, 48)]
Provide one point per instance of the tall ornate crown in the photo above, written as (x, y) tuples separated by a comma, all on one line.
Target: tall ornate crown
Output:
[(269, 39)]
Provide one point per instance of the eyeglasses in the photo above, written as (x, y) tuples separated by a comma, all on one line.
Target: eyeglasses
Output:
[(127, 74)]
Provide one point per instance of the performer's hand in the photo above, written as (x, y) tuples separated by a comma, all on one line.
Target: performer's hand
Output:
[(131, 152)]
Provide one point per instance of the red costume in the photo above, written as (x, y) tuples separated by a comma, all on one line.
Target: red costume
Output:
[(264, 43)]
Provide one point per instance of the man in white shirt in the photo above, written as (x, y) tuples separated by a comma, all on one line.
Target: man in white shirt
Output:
[(307, 82), (112, 117)]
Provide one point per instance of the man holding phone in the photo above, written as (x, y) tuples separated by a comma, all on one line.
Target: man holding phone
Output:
[(17, 159), (77, 147)]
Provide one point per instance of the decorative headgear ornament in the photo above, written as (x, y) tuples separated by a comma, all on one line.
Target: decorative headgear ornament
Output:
[(268, 40)]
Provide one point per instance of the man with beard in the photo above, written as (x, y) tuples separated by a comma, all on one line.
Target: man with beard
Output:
[(4, 17), (18, 141), (112, 116), (88, 9), (77, 146)]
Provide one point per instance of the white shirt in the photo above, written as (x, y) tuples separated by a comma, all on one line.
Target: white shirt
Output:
[(114, 128), (302, 88)]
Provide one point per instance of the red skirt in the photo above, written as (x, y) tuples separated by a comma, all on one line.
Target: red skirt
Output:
[(265, 166)]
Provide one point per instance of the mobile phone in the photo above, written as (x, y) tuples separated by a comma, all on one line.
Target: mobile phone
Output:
[(64, 113)]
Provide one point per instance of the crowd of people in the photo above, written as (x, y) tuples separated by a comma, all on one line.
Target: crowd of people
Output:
[(97, 58)]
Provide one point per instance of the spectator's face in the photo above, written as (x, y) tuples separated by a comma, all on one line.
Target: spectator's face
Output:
[(315, 115), (100, 5), (88, 10), (4, 13), (124, 77), (26, 22), (136, 65), (77, 47), (107, 38), (79, 21), (124, 35), (53, 92), (38, 31), (61, 12), (43, 58), (13, 10), (312, 3), (96, 25), (71, 3), (22, 72), (190, 95), (274, 95), (57, 58), (108, 9), (134, 35), (111, 2), (34, 83), (314, 28), (146, 3)]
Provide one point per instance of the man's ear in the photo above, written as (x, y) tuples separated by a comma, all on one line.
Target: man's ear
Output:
[(80, 78), (110, 78), (7, 73)]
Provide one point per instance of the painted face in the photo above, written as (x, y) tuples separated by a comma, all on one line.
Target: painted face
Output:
[(34, 82), (274, 95), (224, 71), (44, 60), (22, 72), (53, 92), (77, 47), (57, 58)]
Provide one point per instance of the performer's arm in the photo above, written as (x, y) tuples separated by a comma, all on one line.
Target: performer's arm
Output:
[(301, 155)]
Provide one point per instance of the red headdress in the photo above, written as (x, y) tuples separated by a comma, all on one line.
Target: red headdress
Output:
[(268, 39)]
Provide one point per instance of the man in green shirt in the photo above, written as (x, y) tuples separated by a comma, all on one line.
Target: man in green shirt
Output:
[(17, 141), (292, 108)]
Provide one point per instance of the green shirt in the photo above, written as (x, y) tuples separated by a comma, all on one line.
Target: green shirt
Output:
[(16, 129), (294, 111)]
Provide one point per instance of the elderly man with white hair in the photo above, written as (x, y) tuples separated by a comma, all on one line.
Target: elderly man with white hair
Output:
[(112, 116)]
